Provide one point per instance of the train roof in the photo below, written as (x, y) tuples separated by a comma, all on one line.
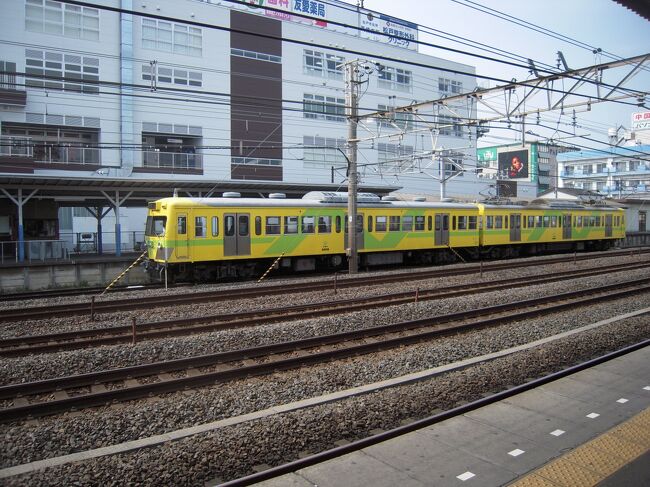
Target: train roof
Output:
[(362, 202)]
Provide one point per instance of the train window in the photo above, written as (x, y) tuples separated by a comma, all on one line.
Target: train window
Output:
[(380, 224), (407, 224), (419, 223), (338, 223), (393, 224), (258, 225), (538, 221), (453, 222), (505, 221), (243, 225), (325, 224), (181, 226), (200, 226), (429, 223), (272, 225), (462, 223), (307, 224), (215, 226), (547, 221), (473, 223), (230, 225), (554, 221), (369, 223), (489, 222), (498, 221), (290, 224), (155, 226), (597, 221), (559, 221), (592, 220), (579, 221)]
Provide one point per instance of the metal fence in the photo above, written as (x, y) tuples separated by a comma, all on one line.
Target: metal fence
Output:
[(16, 146), (88, 242), (35, 250), (175, 160)]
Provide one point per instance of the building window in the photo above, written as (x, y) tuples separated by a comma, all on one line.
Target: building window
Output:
[(449, 86), (394, 156), (55, 65), (321, 64), (171, 151), (322, 151), (395, 79), (169, 37), (8, 77), (172, 76), (260, 56), (642, 221), (324, 107), (403, 120), (450, 126), (254, 161), (50, 17)]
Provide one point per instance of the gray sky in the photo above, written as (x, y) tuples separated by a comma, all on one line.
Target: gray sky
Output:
[(599, 23)]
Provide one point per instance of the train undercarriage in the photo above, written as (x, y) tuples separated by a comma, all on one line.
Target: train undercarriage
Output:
[(255, 268)]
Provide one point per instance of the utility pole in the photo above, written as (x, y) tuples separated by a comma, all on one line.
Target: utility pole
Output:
[(352, 104)]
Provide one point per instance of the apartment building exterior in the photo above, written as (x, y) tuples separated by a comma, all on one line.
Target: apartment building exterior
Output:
[(220, 91)]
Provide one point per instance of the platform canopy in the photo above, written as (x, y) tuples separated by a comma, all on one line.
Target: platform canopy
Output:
[(85, 191)]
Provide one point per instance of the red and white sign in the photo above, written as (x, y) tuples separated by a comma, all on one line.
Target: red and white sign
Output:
[(641, 121)]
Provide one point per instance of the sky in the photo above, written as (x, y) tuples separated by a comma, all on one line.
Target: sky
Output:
[(599, 23)]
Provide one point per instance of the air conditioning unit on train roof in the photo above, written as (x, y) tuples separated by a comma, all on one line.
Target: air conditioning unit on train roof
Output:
[(340, 197)]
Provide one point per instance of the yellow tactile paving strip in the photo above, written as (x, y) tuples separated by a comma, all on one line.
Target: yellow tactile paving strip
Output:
[(596, 460)]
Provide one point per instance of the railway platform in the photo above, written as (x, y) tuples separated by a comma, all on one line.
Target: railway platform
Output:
[(590, 428), (77, 271)]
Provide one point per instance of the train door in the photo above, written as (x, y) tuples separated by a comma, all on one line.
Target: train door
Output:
[(442, 229), (360, 238), (566, 226), (182, 242), (515, 227), (236, 234), (608, 225)]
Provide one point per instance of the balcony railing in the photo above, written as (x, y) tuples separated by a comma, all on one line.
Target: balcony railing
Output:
[(8, 81), (16, 146), (65, 154), (172, 160)]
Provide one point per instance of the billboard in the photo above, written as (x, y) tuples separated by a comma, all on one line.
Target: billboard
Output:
[(349, 19), (641, 121), (514, 165)]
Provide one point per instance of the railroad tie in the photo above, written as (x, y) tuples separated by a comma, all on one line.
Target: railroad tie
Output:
[(124, 273)]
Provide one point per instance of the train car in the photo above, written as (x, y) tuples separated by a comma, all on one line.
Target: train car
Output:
[(213, 238), (207, 239), (511, 230)]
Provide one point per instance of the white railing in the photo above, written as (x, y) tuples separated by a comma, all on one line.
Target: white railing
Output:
[(172, 160), (16, 146), (35, 250), (64, 154)]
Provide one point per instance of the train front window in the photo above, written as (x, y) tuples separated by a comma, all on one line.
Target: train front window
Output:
[(155, 226)]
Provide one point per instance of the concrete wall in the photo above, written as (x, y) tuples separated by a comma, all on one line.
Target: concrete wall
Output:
[(45, 276)]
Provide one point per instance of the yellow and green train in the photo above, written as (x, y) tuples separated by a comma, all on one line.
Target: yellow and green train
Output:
[(207, 239)]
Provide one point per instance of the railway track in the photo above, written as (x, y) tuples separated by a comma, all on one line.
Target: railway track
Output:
[(117, 305), (52, 396), (354, 446), (24, 345)]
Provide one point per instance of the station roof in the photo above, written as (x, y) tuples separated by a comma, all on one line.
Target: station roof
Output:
[(87, 191), (640, 7)]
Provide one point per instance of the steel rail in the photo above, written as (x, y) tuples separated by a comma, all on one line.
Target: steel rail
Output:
[(117, 305), (442, 325), (23, 345), (357, 445)]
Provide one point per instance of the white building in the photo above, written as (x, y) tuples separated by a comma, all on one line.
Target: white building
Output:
[(190, 90)]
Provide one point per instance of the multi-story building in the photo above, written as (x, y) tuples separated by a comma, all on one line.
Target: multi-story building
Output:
[(620, 171), (538, 170), (213, 89), (222, 92)]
